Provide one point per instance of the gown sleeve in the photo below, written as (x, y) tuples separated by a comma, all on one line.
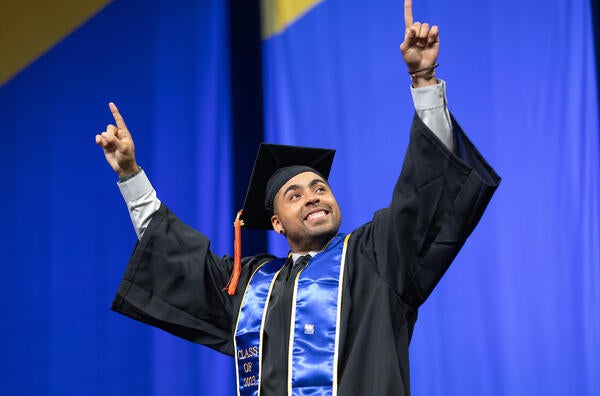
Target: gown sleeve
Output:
[(174, 282), (437, 202)]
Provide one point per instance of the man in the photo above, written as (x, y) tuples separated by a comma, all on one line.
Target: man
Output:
[(336, 315)]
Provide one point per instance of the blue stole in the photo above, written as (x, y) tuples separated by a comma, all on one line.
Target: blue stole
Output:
[(314, 324)]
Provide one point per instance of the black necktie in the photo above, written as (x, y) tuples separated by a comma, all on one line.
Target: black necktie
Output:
[(302, 261)]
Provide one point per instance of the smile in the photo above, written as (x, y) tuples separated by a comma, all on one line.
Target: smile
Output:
[(316, 215)]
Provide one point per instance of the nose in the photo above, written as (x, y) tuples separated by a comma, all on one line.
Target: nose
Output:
[(312, 199)]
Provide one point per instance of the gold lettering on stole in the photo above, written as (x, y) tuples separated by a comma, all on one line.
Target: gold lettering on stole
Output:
[(246, 353)]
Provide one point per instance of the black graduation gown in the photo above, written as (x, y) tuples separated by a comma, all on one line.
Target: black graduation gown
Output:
[(173, 281)]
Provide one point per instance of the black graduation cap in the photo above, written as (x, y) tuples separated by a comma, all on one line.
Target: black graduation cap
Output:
[(272, 159)]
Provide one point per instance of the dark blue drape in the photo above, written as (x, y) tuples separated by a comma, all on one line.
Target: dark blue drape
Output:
[(67, 234)]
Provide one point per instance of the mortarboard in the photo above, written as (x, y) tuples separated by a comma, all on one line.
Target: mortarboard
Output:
[(271, 160), (274, 165)]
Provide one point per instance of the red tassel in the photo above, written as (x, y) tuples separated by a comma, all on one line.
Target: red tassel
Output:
[(237, 256)]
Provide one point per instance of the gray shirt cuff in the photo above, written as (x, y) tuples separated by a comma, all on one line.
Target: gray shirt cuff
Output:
[(141, 200), (432, 107)]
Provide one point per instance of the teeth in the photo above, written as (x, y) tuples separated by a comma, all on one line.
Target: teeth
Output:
[(316, 215)]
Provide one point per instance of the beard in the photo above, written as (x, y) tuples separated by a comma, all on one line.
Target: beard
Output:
[(313, 238)]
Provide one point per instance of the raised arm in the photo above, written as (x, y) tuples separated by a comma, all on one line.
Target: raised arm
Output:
[(441, 193), (173, 280)]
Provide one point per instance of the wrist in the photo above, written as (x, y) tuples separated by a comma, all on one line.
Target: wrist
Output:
[(423, 77), (128, 173)]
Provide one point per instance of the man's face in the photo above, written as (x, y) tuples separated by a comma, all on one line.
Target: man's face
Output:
[(307, 212)]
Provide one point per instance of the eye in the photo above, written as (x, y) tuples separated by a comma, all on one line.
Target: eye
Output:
[(320, 189), (293, 197)]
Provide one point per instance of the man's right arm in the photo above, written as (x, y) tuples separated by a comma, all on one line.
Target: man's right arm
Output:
[(172, 281)]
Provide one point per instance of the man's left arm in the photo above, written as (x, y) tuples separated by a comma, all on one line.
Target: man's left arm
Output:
[(443, 189)]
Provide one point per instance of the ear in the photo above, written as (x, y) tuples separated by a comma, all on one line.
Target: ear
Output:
[(276, 224)]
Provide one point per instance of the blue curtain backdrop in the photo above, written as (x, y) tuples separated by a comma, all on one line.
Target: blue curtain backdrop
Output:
[(518, 313), (67, 236)]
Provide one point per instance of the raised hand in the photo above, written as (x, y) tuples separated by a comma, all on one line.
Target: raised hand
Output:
[(118, 145), (421, 44)]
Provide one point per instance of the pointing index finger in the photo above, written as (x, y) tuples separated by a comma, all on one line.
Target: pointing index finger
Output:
[(408, 17), (117, 116)]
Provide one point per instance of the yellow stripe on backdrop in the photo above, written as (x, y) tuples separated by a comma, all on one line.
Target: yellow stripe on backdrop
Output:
[(277, 15), (29, 28)]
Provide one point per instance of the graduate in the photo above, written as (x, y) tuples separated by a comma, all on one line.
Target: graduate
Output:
[(336, 315)]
